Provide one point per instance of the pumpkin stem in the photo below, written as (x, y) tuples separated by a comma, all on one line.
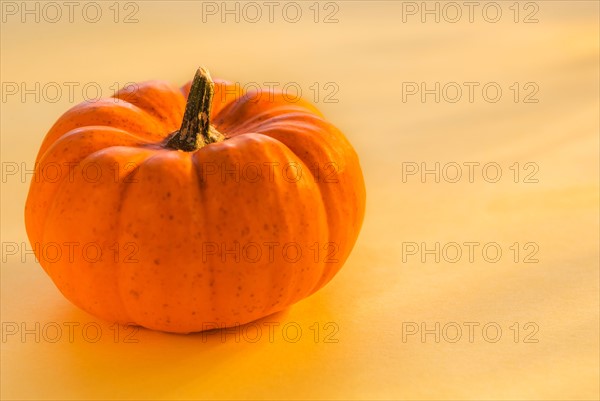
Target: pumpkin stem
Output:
[(196, 131)]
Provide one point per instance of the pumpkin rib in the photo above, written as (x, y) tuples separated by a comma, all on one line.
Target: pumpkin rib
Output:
[(303, 122), (269, 309), (156, 98), (245, 109), (105, 113), (97, 128), (123, 184), (68, 269), (125, 188), (72, 139), (323, 266), (282, 204), (201, 227), (187, 206), (255, 123), (209, 278), (183, 256), (202, 156), (329, 271)]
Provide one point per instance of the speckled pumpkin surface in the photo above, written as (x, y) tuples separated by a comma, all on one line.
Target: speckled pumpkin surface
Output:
[(179, 226)]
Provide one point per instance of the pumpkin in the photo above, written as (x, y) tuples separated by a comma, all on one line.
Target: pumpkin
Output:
[(182, 217)]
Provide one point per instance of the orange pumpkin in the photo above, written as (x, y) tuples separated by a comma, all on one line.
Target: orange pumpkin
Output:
[(249, 205)]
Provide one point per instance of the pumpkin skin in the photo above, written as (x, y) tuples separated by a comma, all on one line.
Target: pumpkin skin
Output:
[(148, 233)]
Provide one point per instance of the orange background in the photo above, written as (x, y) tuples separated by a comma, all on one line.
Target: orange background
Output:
[(367, 54)]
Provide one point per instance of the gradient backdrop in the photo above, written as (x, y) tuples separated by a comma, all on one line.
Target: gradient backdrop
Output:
[(388, 75)]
